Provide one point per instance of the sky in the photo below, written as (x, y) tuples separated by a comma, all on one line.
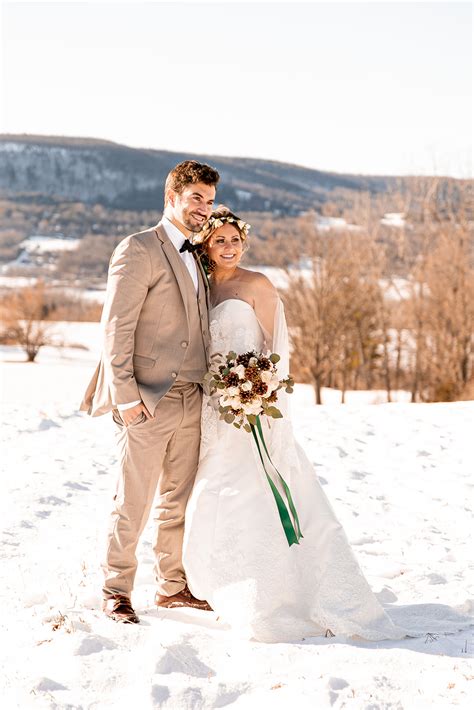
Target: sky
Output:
[(351, 87)]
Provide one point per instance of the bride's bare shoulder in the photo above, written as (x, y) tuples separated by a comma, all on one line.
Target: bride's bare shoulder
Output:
[(257, 280)]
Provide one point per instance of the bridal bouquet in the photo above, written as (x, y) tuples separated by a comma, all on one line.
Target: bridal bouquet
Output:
[(248, 385)]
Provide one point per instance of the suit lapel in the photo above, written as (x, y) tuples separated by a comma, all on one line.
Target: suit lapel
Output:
[(182, 275), (203, 283), (176, 263)]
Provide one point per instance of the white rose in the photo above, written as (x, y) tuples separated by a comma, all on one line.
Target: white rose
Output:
[(247, 386), (273, 384), (253, 361), (232, 391), (254, 407), (266, 376), (239, 370), (226, 401)]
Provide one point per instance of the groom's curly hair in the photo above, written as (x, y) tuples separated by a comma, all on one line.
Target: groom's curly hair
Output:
[(190, 172)]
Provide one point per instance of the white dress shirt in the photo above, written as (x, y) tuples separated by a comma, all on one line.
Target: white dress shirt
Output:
[(177, 238)]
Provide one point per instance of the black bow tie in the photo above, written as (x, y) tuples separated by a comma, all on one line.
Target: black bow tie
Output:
[(188, 246)]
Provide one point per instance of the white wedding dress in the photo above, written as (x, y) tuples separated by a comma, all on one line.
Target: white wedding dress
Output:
[(235, 551)]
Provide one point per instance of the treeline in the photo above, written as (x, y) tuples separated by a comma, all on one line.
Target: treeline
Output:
[(31, 214), (355, 324)]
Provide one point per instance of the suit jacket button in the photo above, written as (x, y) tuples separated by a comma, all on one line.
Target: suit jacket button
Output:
[(184, 344), (174, 374)]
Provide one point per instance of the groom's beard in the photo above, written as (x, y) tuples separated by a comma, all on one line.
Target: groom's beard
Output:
[(192, 224), (194, 227)]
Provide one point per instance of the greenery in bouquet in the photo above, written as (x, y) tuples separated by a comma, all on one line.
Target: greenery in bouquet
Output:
[(248, 385)]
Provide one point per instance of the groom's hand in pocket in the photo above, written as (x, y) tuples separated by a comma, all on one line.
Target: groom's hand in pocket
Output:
[(129, 415)]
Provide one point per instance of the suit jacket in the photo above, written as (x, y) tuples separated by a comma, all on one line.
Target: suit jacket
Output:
[(145, 323)]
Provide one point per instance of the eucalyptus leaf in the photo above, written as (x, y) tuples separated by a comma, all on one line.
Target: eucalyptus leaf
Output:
[(229, 418), (274, 413), (274, 358), (252, 419)]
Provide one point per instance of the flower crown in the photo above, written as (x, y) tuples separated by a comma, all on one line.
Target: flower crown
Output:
[(214, 223)]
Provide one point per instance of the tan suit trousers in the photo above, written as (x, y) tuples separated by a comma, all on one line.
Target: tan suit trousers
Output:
[(159, 457)]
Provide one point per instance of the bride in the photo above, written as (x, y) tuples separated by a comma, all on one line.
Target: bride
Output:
[(235, 551)]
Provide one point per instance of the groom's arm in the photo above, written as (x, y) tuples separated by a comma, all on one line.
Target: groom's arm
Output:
[(127, 287)]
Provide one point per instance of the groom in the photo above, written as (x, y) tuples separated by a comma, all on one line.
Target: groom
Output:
[(155, 345)]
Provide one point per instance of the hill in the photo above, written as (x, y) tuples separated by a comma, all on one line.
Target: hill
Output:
[(102, 172)]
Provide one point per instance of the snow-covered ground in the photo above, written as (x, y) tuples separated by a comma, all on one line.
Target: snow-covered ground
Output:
[(41, 251), (39, 244), (394, 219), (398, 476)]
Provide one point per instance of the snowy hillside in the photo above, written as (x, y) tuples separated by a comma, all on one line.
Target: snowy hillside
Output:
[(98, 171), (398, 476)]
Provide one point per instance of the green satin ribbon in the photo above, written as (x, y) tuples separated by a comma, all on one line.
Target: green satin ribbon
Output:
[(291, 527)]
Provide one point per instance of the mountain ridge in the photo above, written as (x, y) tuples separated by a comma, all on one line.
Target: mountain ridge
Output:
[(95, 170)]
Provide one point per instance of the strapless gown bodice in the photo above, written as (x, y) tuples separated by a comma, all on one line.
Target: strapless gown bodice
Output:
[(234, 326)]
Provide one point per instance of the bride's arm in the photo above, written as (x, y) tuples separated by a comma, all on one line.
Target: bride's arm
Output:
[(265, 302)]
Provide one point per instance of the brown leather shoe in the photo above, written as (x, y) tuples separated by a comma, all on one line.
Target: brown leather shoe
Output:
[(182, 598), (119, 608)]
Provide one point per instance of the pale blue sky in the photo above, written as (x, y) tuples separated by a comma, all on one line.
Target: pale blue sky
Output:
[(375, 87)]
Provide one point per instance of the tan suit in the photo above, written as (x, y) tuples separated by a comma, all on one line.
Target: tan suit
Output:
[(155, 348)]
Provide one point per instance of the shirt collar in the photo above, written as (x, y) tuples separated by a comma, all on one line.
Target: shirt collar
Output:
[(173, 233)]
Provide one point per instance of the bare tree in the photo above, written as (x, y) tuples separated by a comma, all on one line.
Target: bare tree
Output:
[(332, 310), (23, 315), (442, 298), (450, 281)]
